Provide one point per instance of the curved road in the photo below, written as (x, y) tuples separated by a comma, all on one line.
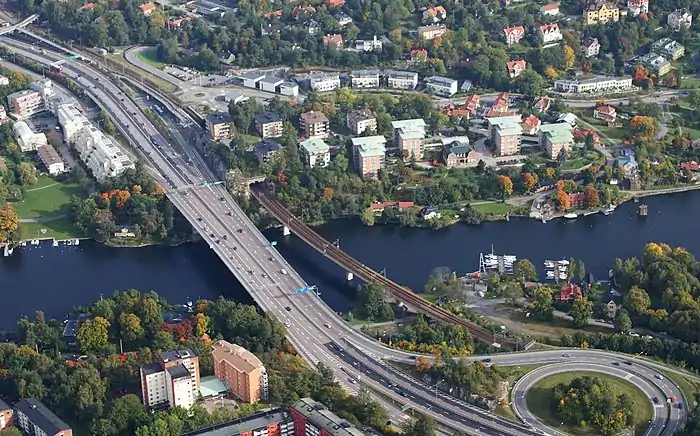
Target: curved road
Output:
[(311, 324)]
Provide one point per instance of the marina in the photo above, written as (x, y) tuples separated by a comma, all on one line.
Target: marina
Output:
[(556, 270), (8, 249), (502, 263)]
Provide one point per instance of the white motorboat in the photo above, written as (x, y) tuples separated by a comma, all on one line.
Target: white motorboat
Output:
[(571, 216), (563, 262), (548, 264)]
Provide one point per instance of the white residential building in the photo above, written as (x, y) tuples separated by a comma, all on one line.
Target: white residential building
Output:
[(52, 161), (360, 120), (26, 138), (364, 78), (71, 121), (443, 86), (550, 33), (637, 7), (26, 103), (315, 152), (414, 125), (172, 381), (101, 154), (598, 84), (680, 19), (551, 9), (324, 82), (368, 44), (36, 419), (401, 79)]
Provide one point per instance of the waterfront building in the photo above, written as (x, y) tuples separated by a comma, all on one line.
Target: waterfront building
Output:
[(173, 380), (315, 152), (101, 154), (312, 418), (71, 121), (314, 124), (275, 422), (241, 370), (507, 137), (369, 154), (34, 418)]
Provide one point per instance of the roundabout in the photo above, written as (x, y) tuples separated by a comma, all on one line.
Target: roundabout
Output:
[(665, 419)]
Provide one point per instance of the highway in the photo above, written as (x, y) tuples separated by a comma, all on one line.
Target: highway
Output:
[(272, 282)]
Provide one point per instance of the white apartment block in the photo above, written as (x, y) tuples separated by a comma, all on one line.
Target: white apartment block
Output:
[(324, 82), (598, 84), (443, 86), (26, 138), (26, 103), (401, 79), (100, 154), (680, 19), (364, 79), (315, 152), (368, 44), (414, 125), (71, 121)]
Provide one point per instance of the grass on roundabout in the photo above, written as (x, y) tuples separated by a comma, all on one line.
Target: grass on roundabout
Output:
[(539, 397)]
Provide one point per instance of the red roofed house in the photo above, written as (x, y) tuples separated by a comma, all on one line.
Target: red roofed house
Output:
[(501, 103), (456, 111), (334, 3), (605, 113), (549, 32), (492, 113), (514, 34), (569, 292), (531, 125), (274, 14), (550, 9), (434, 15), (88, 7), (577, 200), (147, 9), (299, 11), (472, 103), (379, 207), (175, 23), (690, 166), (543, 104), (334, 39), (419, 55), (516, 68)]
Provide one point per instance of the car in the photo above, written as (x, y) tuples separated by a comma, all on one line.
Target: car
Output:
[(289, 309), (655, 400), (403, 394), (222, 199), (327, 325), (413, 357), (616, 363), (229, 213), (287, 324), (212, 235), (264, 275), (566, 355), (235, 248), (659, 377), (199, 218), (680, 406), (225, 237), (283, 271), (627, 362), (487, 360), (218, 241), (353, 381), (272, 259), (240, 230)]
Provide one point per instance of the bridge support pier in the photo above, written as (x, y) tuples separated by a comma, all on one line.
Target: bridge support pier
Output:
[(350, 276), (285, 231)]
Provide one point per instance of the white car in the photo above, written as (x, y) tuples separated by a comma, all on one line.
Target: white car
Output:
[(283, 271), (659, 376)]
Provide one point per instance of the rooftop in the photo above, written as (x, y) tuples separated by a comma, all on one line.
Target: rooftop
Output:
[(263, 147), (360, 115), (237, 356), (411, 134), (167, 356), (399, 74), (406, 125), (4, 406), (440, 80), (364, 73), (267, 117), (151, 368), (219, 118), (314, 117), (41, 416), (368, 146), (557, 132), (323, 418), (313, 146), (244, 425), (253, 75), (178, 371), (48, 155), (272, 80), (509, 129)]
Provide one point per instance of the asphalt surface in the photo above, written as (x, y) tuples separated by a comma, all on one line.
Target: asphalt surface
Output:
[(272, 282)]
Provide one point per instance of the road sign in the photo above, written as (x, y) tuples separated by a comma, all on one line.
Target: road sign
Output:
[(273, 243), (72, 58)]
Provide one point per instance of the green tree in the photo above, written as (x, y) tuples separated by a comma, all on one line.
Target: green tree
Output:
[(637, 301), (367, 217), (581, 311), (87, 393), (542, 307), (130, 327), (525, 270), (624, 322), (423, 426), (26, 174), (373, 304), (93, 334), (581, 271)]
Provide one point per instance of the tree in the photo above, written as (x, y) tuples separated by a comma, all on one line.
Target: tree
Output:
[(580, 312), (694, 99), (130, 327), (562, 199), (637, 301), (569, 57), (581, 271), (9, 223), (525, 270), (368, 216), (591, 195), (422, 364), (93, 334), (506, 185), (624, 322), (529, 181), (542, 307), (201, 324), (590, 141), (642, 126), (423, 426), (10, 431), (27, 174), (373, 304)]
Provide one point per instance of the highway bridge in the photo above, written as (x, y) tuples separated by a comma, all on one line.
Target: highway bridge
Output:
[(312, 327), (27, 21)]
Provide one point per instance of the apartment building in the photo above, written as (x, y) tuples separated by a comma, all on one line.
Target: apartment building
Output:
[(219, 125), (556, 137), (242, 370), (679, 19), (368, 155), (266, 149), (36, 419), (433, 15), (369, 44), (71, 120), (315, 152), (457, 154), (594, 85), (25, 103), (507, 137), (26, 138), (324, 82), (5, 410), (411, 144), (668, 48), (173, 380), (51, 160), (401, 79), (427, 33), (314, 124), (601, 11), (655, 63), (312, 418), (364, 79), (276, 422), (101, 154), (360, 120), (549, 33), (443, 86), (269, 125), (514, 34), (637, 7), (590, 47)]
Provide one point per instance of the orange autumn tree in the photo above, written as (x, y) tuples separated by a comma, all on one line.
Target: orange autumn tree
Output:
[(506, 185), (422, 364), (9, 222), (561, 197), (642, 126), (592, 198), (529, 181)]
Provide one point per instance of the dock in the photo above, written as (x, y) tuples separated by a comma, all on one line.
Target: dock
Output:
[(643, 210), (557, 270)]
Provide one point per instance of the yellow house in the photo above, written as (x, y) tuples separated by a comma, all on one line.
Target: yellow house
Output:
[(601, 12)]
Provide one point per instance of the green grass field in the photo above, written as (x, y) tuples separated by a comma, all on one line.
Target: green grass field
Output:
[(47, 198), (539, 401), (150, 57), (60, 229)]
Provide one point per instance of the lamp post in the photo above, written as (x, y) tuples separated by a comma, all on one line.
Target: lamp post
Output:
[(436, 388)]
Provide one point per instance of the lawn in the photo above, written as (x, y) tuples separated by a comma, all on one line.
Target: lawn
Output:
[(539, 400), (150, 57), (62, 228), (47, 198), (492, 208), (578, 163), (157, 80)]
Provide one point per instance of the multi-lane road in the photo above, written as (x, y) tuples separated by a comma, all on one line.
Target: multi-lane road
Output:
[(312, 325)]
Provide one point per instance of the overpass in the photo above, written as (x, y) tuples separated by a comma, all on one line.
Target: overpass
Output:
[(355, 268), (27, 21)]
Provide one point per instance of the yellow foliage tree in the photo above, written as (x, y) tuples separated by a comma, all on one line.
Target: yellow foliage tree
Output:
[(569, 57), (551, 72)]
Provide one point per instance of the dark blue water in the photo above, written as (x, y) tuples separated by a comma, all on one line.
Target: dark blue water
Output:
[(56, 279)]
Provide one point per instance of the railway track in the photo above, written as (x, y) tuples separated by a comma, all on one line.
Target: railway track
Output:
[(364, 272)]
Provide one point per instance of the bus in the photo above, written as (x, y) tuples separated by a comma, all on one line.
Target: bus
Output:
[(56, 68)]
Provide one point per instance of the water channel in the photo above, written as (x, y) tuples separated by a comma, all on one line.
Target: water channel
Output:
[(54, 279)]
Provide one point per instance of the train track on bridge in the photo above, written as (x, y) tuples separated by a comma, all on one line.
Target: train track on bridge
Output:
[(366, 273)]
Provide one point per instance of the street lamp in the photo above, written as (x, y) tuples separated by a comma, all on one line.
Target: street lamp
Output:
[(436, 388)]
